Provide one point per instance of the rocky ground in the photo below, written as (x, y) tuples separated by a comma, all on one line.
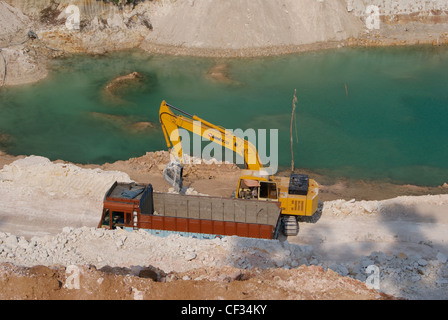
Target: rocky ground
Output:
[(50, 210)]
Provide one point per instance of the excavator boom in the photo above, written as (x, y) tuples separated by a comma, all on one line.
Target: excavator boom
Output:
[(171, 123)]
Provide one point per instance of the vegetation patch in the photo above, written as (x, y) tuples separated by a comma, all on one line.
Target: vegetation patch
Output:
[(50, 14), (121, 3)]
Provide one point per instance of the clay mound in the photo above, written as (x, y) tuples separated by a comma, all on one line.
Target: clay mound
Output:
[(123, 82), (220, 73), (127, 123), (87, 282)]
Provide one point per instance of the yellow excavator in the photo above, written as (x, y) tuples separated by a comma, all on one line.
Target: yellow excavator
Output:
[(297, 194)]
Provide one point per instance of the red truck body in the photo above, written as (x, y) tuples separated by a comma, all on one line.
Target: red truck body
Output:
[(135, 206)]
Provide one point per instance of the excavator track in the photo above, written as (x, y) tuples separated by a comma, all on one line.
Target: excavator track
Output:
[(290, 225)]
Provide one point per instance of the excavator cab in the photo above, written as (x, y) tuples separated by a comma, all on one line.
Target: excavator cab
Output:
[(268, 191), (253, 188)]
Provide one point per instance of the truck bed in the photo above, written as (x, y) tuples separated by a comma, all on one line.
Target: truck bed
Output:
[(198, 216), (216, 208), (206, 217)]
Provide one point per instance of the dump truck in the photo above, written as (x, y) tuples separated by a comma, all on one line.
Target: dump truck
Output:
[(296, 195), (134, 206)]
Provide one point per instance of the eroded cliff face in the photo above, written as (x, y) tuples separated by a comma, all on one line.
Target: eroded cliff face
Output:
[(234, 25), (88, 25), (401, 22), (64, 27), (18, 63), (214, 27), (251, 23), (402, 11), (88, 8)]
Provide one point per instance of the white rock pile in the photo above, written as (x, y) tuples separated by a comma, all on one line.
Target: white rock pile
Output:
[(62, 180), (398, 274), (343, 207), (38, 196), (394, 205), (402, 275), (120, 248), (187, 191)]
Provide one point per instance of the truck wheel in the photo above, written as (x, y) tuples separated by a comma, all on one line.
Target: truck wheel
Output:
[(290, 226)]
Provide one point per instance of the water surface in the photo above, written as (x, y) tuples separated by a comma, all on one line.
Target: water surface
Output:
[(361, 113)]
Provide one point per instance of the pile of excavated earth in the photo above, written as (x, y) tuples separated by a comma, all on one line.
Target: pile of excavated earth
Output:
[(50, 210)]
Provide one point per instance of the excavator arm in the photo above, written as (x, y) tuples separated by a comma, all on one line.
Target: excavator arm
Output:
[(172, 122)]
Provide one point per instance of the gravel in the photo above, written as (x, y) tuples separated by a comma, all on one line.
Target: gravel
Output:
[(410, 277), (121, 248), (398, 274)]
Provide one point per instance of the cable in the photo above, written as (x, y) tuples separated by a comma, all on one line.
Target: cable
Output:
[(32, 35), (16, 44), (4, 64)]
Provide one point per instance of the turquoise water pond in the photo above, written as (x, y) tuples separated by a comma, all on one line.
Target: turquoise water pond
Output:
[(361, 113)]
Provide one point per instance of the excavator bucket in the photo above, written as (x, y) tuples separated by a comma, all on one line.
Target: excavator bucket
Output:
[(173, 174)]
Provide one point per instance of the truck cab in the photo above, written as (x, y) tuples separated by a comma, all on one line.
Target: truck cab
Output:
[(123, 203)]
